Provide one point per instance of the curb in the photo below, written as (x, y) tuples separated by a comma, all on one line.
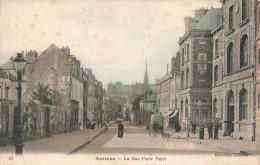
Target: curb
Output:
[(86, 143)]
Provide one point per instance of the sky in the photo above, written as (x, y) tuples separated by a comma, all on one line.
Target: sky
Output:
[(113, 37)]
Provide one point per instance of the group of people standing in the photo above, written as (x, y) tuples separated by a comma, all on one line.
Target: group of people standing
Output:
[(210, 131)]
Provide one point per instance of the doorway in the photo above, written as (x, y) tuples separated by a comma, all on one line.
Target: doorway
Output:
[(230, 113)]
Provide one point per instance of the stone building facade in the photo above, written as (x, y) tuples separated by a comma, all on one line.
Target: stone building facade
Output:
[(163, 96), (257, 73), (234, 86)]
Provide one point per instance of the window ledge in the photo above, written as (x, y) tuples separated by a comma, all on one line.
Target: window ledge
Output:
[(245, 21), (245, 122), (230, 31), (216, 57), (242, 69)]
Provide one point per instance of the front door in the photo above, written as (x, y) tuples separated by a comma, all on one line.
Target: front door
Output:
[(230, 113), (230, 119)]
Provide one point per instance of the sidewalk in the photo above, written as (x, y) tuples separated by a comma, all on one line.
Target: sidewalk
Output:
[(62, 143), (223, 142)]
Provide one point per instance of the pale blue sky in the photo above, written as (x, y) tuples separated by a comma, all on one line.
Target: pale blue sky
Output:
[(112, 37)]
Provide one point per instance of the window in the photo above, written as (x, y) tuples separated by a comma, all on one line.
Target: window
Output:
[(258, 56), (202, 59), (244, 9), (182, 79), (186, 109), (187, 77), (231, 17), (244, 51), (216, 47), (181, 108), (6, 92), (215, 109), (230, 58), (222, 109), (243, 105), (258, 101), (216, 75), (188, 52), (182, 55)]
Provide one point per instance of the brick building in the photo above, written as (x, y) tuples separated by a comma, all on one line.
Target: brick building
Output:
[(196, 64)]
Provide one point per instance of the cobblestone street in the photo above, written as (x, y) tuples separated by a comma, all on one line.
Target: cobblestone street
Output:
[(137, 140)]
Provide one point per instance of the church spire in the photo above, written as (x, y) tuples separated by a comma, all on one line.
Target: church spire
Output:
[(146, 85), (146, 75)]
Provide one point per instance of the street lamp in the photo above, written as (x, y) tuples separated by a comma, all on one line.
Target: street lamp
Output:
[(199, 105), (19, 64), (187, 117)]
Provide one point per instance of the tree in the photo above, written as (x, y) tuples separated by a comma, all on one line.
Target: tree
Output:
[(43, 94), (136, 102)]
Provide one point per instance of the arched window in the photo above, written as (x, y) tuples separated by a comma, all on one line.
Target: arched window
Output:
[(216, 75), (182, 79), (187, 77), (230, 58), (243, 101), (244, 51), (244, 9), (181, 108), (215, 109)]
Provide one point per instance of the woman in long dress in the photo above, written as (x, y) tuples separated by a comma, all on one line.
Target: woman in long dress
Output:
[(120, 128)]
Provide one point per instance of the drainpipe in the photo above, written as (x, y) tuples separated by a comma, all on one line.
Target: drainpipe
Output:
[(254, 75)]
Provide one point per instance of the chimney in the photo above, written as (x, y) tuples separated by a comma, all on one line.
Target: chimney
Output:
[(66, 50), (199, 13), (189, 22), (32, 55)]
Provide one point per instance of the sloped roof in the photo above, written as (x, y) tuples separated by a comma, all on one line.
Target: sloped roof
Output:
[(152, 87), (150, 99), (8, 67), (210, 20)]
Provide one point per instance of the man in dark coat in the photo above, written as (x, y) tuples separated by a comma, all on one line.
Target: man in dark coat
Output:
[(120, 128), (216, 131), (210, 126), (202, 131), (193, 128)]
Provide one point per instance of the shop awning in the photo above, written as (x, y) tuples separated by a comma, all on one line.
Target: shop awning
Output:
[(169, 113), (174, 114)]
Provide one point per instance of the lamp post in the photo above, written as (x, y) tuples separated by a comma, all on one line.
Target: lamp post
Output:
[(188, 123), (199, 105), (19, 64)]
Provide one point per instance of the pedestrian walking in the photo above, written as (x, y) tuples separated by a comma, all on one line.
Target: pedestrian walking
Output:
[(216, 131), (120, 128), (193, 128), (202, 131), (210, 126)]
